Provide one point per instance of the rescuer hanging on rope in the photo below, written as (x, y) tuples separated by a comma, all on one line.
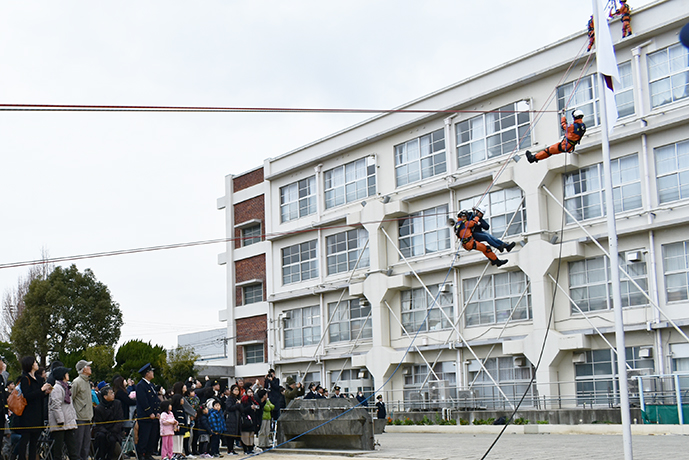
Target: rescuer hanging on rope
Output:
[(625, 12), (573, 134), (592, 34), (464, 231), (480, 234)]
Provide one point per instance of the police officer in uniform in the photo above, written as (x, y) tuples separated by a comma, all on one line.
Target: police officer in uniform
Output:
[(147, 413), (336, 392)]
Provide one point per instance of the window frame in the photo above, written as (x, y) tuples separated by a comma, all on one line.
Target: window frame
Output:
[(339, 183), (306, 266), (351, 254), (417, 303), (252, 287), (676, 271), (579, 198), (298, 199), (676, 170), (343, 323), (438, 234), (250, 349), (251, 234), (481, 300), (308, 329), (413, 165), (498, 215), (655, 81), (512, 133), (628, 290)]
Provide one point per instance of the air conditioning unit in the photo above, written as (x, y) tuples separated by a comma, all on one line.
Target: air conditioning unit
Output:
[(445, 288), (634, 256), (579, 358), (364, 302), (406, 371), (645, 353), (287, 315), (519, 361)]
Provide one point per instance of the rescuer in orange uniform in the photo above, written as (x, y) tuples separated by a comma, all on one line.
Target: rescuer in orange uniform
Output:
[(573, 134), (592, 34), (625, 12), (464, 231)]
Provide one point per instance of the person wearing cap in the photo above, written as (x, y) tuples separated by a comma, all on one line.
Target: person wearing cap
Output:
[(83, 406), (147, 413), (293, 390), (62, 418), (573, 135), (313, 391), (336, 392), (211, 390), (381, 413)]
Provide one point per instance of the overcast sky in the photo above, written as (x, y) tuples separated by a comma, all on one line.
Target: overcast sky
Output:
[(77, 183)]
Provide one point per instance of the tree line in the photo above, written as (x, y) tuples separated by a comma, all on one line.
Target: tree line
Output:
[(57, 313)]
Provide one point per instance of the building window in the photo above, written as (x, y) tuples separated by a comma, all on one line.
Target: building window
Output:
[(350, 182), (624, 95), (595, 379), (496, 297), (676, 268), (344, 250), (251, 235), (585, 195), (672, 168), (299, 262), (493, 134), (424, 232), (252, 293), (302, 326), (353, 380), (424, 390), (416, 304), (512, 379), (253, 353), (668, 74), (349, 321), (585, 99), (501, 207), (298, 199), (420, 158), (590, 286)]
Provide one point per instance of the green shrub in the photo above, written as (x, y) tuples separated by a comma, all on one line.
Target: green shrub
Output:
[(397, 422), (462, 421), (479, 421), (407, 421), (452, 421), (542, 422), (520, 421)]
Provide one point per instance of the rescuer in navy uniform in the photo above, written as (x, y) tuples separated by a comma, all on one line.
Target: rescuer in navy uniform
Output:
[(147, 413)]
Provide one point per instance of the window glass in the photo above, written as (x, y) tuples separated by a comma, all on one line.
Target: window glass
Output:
[(424, 232), (668, 71), (299, 262), (672, 170), (496, 298), (493, 134), (422, 312), (344, 250), (503, 206), (298, 199), (420, 158), (350, 182)]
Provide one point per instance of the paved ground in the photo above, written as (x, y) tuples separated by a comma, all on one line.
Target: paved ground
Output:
[(439, 446)]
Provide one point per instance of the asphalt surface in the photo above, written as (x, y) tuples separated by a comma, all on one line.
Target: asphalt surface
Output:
[(439, 446)]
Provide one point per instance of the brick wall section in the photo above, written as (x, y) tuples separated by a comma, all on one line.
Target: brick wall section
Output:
[(248, 329), (253, 208), (247, 180), (250, 269)]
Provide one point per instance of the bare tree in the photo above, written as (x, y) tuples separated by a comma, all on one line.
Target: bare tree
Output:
[(13, 299)]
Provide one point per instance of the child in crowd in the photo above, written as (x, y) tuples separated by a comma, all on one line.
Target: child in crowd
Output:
[(204, 431), (168, 425), (216, 420)]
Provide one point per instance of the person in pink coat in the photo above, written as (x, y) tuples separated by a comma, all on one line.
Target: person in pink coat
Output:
[(168, 425)]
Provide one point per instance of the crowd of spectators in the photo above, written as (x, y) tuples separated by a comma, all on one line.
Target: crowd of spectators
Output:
[(82, 419)]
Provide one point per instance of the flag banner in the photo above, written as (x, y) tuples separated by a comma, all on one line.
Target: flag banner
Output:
[(607, 63)]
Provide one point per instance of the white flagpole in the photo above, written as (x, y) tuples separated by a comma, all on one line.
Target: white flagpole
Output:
[(614, 264)]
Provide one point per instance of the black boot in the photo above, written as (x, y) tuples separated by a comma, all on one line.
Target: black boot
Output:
[(498, 262), (501, 248), (530, 156), (510, 246)]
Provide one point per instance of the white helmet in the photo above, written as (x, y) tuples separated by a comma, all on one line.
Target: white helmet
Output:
[(481, 209), (577, 114)]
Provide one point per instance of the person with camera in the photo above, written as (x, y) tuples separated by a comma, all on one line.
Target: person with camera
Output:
[(293, 390), (272, 386)]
